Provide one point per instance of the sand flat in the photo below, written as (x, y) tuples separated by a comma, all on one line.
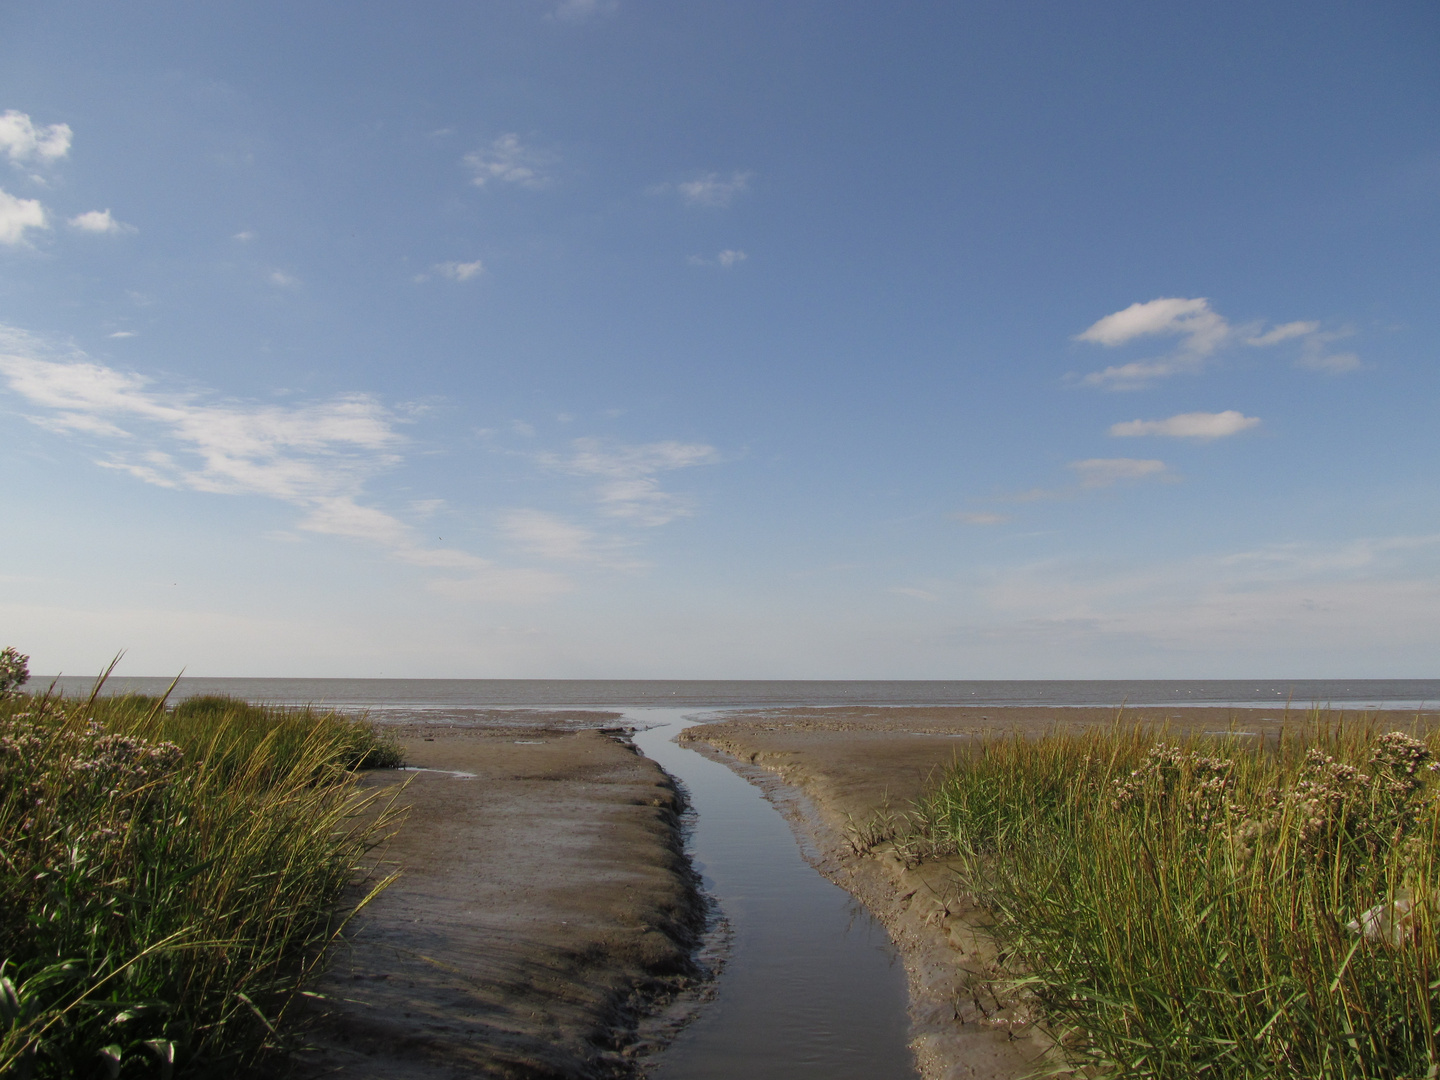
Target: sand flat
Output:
[(545, 904)]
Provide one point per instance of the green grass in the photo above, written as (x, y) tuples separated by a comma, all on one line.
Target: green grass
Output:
[(1211, 907), (170, 877)]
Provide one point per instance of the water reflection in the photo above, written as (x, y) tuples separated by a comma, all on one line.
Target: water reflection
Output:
[(812, 986)]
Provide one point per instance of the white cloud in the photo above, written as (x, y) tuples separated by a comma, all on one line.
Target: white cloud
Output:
[(981, 518), (710, 189), (282, 279), (122, 334), (1195, 425), (1106, 472), (244, 236), (460, 271), (99, 221), (1284, 332), (23, 141), (509, 161), (1173, 316), (630, 486), (316, 457), (1202, 331), (17, 215)]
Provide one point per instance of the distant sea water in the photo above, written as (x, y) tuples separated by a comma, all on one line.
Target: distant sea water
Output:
[(439, 699)]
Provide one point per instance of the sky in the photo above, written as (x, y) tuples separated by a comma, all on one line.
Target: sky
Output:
[(784, 339)]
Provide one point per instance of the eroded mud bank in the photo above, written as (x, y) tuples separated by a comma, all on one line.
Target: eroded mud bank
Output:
[(545, 906)]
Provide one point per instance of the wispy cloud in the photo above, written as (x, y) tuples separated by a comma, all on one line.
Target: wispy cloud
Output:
[(709, 189), (1368, 595), (509, 161), (726, 259), (100, 221), (1107, 472), (1315, 354), (630, 475), (316, 457), (17, 215), (552, 537), (981, 518), (574, 11), (25, 142), (1201, 332), (1195, 425), (1283, 332), (283, 279), (459, 271)]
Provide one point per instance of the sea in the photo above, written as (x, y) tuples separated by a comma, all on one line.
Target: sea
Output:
[(439, 700)]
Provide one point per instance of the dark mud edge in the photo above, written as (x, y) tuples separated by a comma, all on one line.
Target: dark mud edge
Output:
[(643, 1018)]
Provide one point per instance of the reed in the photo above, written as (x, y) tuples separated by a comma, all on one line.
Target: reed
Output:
[(170, 877), (1217, 907)]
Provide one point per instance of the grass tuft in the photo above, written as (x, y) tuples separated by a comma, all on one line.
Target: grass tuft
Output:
[(170, 877), (1217, 907)]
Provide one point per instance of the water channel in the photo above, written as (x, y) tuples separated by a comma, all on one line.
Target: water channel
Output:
[(811, 986)]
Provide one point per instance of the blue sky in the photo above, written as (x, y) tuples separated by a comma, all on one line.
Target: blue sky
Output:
[(609, 338)]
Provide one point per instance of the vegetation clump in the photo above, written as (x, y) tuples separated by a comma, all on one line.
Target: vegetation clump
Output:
[(1219, 907), (169, 877)]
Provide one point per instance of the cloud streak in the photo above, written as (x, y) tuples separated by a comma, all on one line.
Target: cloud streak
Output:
[(1195, 425), (315, 457), (552, 537), (1107, 472), (1201, 332), (629, 486)]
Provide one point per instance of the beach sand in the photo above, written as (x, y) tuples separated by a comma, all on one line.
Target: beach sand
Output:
[(545, 906)]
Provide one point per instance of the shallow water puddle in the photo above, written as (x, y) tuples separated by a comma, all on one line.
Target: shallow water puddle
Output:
[(812, 986)]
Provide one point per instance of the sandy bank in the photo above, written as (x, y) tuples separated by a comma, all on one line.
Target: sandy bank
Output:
[(829, 769), (545, 905)]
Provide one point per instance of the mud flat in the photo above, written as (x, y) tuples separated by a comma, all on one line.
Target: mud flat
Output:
[(545, 907), (831, 770)]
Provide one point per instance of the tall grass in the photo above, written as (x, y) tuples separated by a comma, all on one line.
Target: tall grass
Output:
[(1212, 906), (169, 877)]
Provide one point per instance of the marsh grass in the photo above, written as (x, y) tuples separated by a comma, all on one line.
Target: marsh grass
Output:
[(1216, 907), (169, 877)]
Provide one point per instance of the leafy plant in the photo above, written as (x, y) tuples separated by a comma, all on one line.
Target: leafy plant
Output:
[(170, 877)]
